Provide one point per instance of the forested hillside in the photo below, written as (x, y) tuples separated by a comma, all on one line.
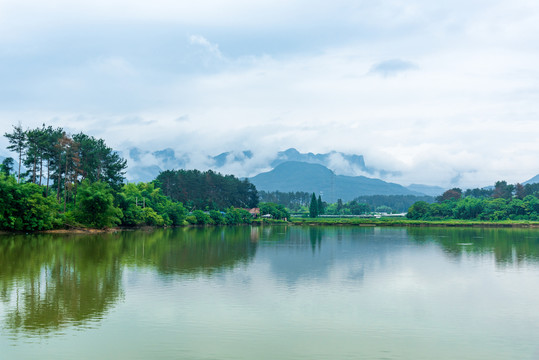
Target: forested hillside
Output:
[(207, 189)]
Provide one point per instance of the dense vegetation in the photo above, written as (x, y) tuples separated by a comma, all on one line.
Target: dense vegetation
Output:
[(207, 190), (300, 202), (392, 203), (79, 181), (503, 202), (62, 180), (294, 201)]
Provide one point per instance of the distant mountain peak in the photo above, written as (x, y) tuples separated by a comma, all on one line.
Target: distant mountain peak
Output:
[(337, 161), (292, 176)]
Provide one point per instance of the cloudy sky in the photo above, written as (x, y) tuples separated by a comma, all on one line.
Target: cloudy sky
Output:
[(446, 93)]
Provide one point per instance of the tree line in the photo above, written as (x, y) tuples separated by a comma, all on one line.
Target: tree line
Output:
[(62, 162), (501, 202), (63, 180), (207, 190), (300, 202), (294, 201)]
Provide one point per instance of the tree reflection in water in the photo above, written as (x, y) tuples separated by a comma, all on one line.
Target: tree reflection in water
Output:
[(48, 282), (509, 246)]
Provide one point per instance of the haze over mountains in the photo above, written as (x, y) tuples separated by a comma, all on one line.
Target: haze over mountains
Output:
[(294, 176), (336, 174)]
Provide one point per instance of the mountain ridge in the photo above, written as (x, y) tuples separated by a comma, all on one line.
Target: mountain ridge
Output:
[(292, 176)]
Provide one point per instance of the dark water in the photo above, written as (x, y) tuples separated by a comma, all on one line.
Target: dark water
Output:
[(272, 293)]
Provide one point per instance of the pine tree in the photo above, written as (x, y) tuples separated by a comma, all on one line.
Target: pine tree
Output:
[(313, 207), (17, 141), (320, 205)]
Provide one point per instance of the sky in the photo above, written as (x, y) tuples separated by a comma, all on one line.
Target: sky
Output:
[(437, 93)]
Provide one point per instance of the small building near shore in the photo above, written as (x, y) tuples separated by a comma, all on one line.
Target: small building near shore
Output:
[(255, 212)]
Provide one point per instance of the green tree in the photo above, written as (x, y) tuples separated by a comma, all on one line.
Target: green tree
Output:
[(201, 190), (95, 206), (418, 210), (451, 194), (7, 166), (23, 207), (217, 217), (503, 190), (313, 207), (202, 217), (384, 209), (320, 205), (17, 141), (277, 211), (520, 191)]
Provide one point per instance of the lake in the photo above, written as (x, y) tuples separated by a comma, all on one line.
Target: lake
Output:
[(272, 292)]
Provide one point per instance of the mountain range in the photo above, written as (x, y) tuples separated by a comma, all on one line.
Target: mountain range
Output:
[(347, 171), (292, 176), (337, 174), (145, 165)]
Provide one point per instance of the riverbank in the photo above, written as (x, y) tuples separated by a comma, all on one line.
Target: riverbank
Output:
[(413, 223), (382, 222)]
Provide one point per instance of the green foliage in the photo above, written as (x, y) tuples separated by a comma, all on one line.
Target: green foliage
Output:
[(501, 205), (7, 166), (217, 217), (503, 190), (398, 203), (202, 217), (152, 218), (313, 207), (95, 205), (135, 198), (418, 210), (451, 194), (291, 200), (468, 208), (384, 209), (353, 207), (17, 143), (275, 210), (320, 205), (24, 208), (235, 216), (98, 162), (191, 219), (208, 189)]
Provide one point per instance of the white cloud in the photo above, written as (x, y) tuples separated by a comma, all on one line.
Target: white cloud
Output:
[(213, 49), (469, 109)]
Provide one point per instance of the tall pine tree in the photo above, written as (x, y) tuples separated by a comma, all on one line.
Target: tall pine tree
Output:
[(313, 207), (17, 141)]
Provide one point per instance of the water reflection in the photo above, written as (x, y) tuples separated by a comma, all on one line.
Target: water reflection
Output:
[(297, 253), (51, 282), (509, 246), (191, 250), (48, 282)]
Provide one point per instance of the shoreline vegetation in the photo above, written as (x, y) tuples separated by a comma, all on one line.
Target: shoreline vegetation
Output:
[(390, 222), (76, 184)]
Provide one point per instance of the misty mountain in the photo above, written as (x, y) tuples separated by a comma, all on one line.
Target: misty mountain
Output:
[(226, 157), (300, 176), (426, 189), (323, 159), (146, 165)]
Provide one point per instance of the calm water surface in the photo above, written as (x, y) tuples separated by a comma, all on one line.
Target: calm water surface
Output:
[(272, 293)]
